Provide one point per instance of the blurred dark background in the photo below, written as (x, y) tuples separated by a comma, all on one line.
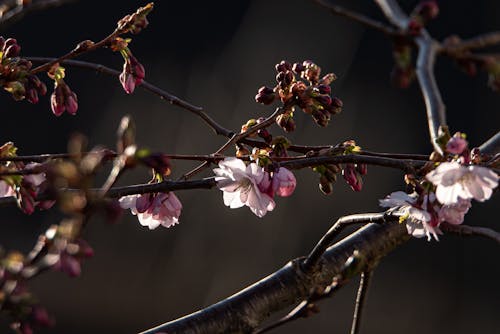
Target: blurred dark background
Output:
[(217, 54)]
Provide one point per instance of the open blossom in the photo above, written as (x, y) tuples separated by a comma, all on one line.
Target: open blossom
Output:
[(454, 181), (240, 186), (454, 214), (154, 210), (419, 222)]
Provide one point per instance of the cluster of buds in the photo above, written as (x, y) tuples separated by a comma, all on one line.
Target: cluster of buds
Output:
[(327, 177), (424, 12), (301, 85), (15, 299), (403, 71), (25, 188), (62, 98), (262, 133), (133, 72), (134, 23), (15, 75)]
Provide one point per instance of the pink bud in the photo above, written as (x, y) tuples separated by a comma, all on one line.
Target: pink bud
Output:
[(127, 81), (57, 101), (457, 144), (71, 103), (352, 178), (284, 182)]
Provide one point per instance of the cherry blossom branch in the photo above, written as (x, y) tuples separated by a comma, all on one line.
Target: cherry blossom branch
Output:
[(357, 17), (465, 230), (164, 95), (427, 51), (364, 218), (87, 46), (12, 11), (235, 139), (244, 311), (403, 164)]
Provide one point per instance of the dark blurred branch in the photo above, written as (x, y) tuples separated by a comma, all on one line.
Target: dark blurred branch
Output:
[(492, 145), (357, 17), (244, 311), (13, 11), (364, 284), (172, 99), (479, 42), (465, 230), (427, 51)]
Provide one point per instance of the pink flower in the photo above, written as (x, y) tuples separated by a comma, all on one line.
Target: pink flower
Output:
[(419, 221), (240, 186), (457, 144), (454, 214), (154, 210), (454, 181)]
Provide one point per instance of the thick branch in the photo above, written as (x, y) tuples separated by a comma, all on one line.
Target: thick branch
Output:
[(492, 145), (244, 311)]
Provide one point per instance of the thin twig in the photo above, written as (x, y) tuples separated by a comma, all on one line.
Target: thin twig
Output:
[(235, 139), (357, 17), (403, 164), (364, 284), (465, 230), (16, 11), (427, 51), (479, 42), (172, 99), (327, 239)]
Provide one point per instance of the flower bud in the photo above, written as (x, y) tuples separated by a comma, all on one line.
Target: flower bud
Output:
[(324, 89), (283, 66), (325, 185), (457, 144), (328, 79), (286, 122), (298, 68), (265, 95), (428, 10)]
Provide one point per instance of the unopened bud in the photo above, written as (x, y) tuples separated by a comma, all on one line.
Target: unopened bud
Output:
[(283, 66), (265, 95)]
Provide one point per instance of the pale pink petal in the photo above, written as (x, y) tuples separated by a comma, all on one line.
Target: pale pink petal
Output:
[(128, 202), (232, 200)]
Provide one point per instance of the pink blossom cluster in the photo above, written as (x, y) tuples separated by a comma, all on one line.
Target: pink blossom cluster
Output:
[(454, 184), (250, 185)]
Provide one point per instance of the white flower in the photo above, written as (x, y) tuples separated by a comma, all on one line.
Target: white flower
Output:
[(154, 210), (239, 184), (454, 181), (419, 221)]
